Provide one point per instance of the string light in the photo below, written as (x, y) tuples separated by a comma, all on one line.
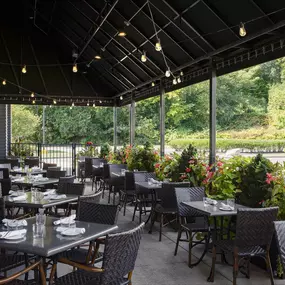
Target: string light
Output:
[(178, 79), (72, 104), (152, 84), (4, 82), (121, 97), (34, 101), (167, 73), (174, 81), (32, 95), (87, 104), (54, 101), (98, 57), (94, 105), (181, 73), (143, 57), (122, 34), (70, 107), (74, 68), (24, 69), (242, 30), (100, 102), (158, 45)]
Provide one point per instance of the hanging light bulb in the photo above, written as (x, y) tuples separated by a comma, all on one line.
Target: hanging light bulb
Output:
[(100, 102), (98, 57), (94, 105), (167, 72), (34, 101), (54, 101), (74, 68), (122, 34), (87, 104), (158, 45), (181, 73), (121, 97), (70, 107), (143, 57), (152, 84), (72, 104), (24, 69), (174, 81), (178, 79), (32, 95), (50, 106), (4, 82), (242, 30)]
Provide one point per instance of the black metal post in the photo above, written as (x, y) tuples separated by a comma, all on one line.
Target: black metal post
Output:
[(213, 111), (9, 127), (132, 122), (115, 127), (162, 119), (73, 159)]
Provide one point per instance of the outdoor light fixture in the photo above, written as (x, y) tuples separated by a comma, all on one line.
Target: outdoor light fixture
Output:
[(122, 34), (70, 107), (181, 73), (54, 101), (174, 81), (152, 84), (167, 73), (121, 97), (178, 79), (242, 30), (4, 82), (87, 104), (158, 45), (98, 57), (34, 102), (24, 69), (32, 95), (74, 68), (143, 57), (94, 105), (72, 104), (100, 102)]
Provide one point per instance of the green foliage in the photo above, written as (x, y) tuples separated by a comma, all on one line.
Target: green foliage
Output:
[(142, 158), (105, 149), (90, 150), (24, 124), (119, 156)]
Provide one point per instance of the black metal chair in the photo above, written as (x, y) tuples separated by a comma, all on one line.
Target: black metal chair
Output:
[(32, 161), (280, 237), (13, 161), (6, 186), (104, 182), (66, 179), (143, 196), (119, 258), (51, 173), (97, 172), (254, 231), (90, 211), (190, 221), (87, 171), (4, 173), (116, 183), (167, 206), (47, 165)]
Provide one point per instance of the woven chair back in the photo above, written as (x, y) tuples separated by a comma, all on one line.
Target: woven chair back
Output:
[(2, 208), (47, 165), (71, 189), (55, 173), (280, 236), (6, 186), (32, 161)]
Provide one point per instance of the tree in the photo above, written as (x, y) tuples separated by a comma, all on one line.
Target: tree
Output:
[(24, 124)]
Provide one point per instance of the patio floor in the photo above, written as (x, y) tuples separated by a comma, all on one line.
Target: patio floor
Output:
[(157, 265)]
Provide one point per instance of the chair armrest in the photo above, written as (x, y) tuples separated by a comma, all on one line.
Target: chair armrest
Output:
[(81, 266)]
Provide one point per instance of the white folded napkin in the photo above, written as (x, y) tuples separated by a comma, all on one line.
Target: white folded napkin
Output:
[(65, 220), (19, 198), (227, 207), (211, 201), (153, 181), (56, 197), (10, 234), (49, 192), (62, 229), (20, 179), (14, 193), (19, 223)]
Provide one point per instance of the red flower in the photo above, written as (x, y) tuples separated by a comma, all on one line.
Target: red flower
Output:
[(210, 174), (89, 143), (219, 164), (157, 165), (183, 176), (205, 181), (269, 178), (188, 169), (261, 202)]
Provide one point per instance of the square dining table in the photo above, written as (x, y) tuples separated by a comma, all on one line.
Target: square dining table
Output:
[(52, 242), (24, 173), (26, 182)]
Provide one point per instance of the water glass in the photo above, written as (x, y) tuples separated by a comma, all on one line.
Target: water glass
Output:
[(20, 192), (26, 168), (38, 231), (101, 164), (231, 202), (205, 201), (136, 170), (123, 171), (149, 181), (40, 219), (34, 192)]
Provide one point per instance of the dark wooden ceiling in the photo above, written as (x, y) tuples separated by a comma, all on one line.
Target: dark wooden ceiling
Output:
[(44, 35)]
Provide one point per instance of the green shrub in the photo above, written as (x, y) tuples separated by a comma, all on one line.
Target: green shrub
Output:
[(226, 144)]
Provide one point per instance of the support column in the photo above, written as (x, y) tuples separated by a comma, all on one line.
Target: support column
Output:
[(213, 111), (115, 110), (44, 125), (3, 131), (9, 126), (162, 119), (132, 122)]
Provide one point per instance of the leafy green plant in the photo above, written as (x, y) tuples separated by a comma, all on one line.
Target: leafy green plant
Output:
[(118, 156), (105, 149), (90, 150), (162, 167)]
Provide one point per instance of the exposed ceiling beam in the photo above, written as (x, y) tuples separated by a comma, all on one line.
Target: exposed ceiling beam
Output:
[(11, 63), (97, 29), (188, 24), (215, 53), (261, 11)]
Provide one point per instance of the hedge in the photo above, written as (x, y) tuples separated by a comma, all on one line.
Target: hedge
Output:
[(226, 144)]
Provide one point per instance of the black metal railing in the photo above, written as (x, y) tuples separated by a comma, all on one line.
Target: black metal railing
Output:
[(64, 155)]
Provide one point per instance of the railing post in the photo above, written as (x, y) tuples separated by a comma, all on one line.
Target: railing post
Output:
[(40, 152), (132, 122), (73, 159), (162, 119)]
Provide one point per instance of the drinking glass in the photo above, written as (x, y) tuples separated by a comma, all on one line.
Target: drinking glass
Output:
[(34, 192), (38, 230), (123, 171), (40, 219), (101, 164), (20, 192), (205, 201), (231, 202), (149, 181), (26, 168)]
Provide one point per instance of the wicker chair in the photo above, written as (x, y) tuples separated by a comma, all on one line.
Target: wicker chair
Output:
[(141, 194), (6, 186), (90, 211), (167, 206), (191, 221), (116, 183), (120, 254), (97, 173), (47, 165), (13, 161), (55, 173), (280, 237), (32, 161), (254, 231), (104, 181), (86, 172)]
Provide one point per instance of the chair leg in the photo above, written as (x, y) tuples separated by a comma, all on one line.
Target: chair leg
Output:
[(109, 197), (103, 189), (269, 268), (153, 218), (160, 226), (190, 245), (178, 239), (235, 267), (130, 277), (125, 203), (140, 212), (212, 274)]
